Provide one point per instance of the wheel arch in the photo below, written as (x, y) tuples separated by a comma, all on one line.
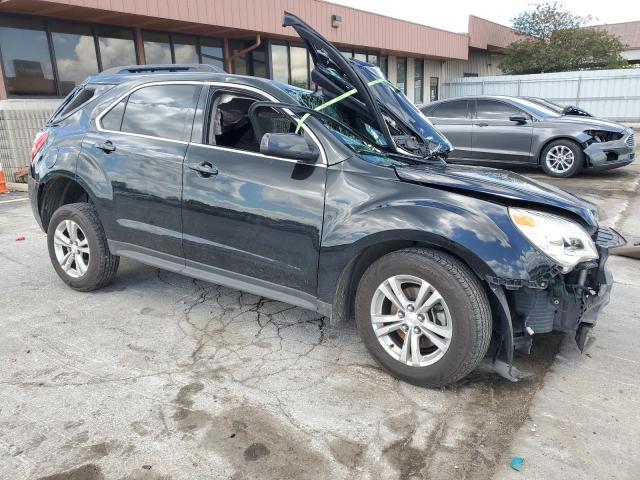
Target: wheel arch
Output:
[(57, 190), (375, 248)]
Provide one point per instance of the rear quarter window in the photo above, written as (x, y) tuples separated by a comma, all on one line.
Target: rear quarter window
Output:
[(77, 98)]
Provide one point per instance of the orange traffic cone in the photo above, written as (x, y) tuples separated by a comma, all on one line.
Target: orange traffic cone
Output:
[(3, 183)]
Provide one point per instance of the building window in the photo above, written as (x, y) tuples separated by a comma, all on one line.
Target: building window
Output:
[(251, 63), (291, 64), (26, 59), (185, 49), (384, 65), (401, 74), (433, 89), (299, 67), (212, 52), (372, 58), (164, 48), (280, 62), (362, 56), (347, 53), (418, 83), (116, 47), (259, 62), (75, 53), (157, 48)]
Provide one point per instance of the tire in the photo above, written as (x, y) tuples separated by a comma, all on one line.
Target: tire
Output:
[(92, 266), (562, 159), (464, 309)]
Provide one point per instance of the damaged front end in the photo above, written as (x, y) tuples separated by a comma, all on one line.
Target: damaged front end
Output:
[(605, 149), (568, 302)]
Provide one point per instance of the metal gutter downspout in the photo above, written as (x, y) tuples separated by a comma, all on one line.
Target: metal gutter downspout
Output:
[(240, 53)]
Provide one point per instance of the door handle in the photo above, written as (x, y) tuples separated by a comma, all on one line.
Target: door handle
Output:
[(204, 169), (482, 124), (106, 147)]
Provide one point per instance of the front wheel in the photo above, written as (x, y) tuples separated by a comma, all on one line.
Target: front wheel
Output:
[(424, 316), (562, 159)]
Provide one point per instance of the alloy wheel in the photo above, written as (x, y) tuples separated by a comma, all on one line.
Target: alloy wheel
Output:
[(560, 158), (411, 320), (72, 248)]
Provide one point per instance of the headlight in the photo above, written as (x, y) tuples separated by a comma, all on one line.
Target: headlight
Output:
[(563, 240)]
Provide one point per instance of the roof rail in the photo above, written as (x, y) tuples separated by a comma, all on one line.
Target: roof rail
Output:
[(159, 68)]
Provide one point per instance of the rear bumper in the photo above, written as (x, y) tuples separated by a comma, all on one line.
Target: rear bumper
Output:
[(34, 189)]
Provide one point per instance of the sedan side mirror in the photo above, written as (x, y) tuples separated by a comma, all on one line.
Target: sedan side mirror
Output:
[(289, 145), (518, 118)]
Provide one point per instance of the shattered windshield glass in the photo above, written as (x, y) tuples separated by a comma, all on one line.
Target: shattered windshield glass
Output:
[(361, 138)]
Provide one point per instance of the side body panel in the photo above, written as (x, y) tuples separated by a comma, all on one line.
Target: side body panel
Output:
[(258, 216), (137, 188), (500, 139), (366, 205)]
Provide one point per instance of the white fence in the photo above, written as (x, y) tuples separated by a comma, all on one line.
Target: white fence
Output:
[(19, 122), (613, 94)]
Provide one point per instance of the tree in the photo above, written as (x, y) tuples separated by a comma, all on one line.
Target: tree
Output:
[(555, 40)]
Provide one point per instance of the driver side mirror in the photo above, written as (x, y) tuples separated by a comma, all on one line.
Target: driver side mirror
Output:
[(519, 118), (289, 145)]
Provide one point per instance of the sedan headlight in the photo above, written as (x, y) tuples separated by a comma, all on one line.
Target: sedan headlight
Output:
[(563, 240)]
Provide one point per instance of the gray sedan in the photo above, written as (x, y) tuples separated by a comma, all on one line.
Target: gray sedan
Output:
[(501, 130)]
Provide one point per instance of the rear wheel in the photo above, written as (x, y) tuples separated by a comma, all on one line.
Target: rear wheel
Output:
[(424, 316), (78, 248), (562, 158)]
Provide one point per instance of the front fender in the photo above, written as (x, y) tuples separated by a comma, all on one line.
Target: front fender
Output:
[(475, 230)]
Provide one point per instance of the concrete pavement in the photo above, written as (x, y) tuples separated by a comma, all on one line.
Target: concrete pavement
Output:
[(160, 376)]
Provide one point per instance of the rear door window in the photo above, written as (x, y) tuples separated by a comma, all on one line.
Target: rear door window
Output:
[(164, 111), (454, 109), (494, 110)]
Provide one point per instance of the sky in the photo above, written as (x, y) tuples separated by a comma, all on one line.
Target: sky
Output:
[(453, 15)]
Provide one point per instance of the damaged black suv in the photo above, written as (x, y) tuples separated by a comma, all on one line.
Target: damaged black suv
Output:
[(338, 200)]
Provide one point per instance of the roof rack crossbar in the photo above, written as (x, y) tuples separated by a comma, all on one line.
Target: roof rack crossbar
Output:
[(158, 68)]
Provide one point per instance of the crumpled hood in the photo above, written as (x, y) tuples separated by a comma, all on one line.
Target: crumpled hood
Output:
[(501, 184)]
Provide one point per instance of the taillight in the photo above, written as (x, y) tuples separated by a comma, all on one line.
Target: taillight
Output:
[(38, 143)]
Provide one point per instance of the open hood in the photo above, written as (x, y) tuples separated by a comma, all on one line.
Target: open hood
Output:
[(493, 182), (398, 125)]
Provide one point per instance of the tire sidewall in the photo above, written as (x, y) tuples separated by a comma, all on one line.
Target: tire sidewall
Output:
[(578, 156), (454, 296), (93, 271)]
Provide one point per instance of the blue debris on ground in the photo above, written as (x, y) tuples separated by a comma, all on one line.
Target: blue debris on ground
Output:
[(516, 463)]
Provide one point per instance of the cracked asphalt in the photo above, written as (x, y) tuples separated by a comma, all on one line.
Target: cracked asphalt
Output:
[(161, 376)]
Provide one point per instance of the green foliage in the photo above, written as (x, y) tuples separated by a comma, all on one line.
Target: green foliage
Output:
[(556, 41), (545, 19)]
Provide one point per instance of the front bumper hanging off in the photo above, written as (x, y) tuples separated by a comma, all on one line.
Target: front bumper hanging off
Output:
[(568, 303)]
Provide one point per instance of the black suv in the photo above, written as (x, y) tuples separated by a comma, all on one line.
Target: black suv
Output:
[(338, 200)]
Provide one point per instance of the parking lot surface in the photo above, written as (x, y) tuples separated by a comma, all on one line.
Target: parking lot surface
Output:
[(160, 376)]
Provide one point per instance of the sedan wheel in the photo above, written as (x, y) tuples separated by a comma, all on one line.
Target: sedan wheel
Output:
[(72, 248), (411, 320), (560, 159)]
